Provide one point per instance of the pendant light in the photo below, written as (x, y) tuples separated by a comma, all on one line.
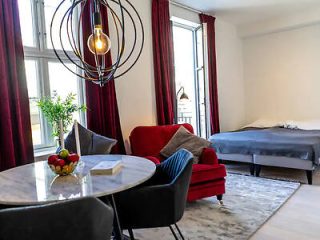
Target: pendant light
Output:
[(124, 18)]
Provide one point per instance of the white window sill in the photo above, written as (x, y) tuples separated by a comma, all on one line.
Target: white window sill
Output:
[(43, 154)]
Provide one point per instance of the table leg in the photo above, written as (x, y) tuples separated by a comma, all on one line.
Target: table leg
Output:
[(116, 222)]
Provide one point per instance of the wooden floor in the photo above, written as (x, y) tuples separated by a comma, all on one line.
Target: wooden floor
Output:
[(299, 218)]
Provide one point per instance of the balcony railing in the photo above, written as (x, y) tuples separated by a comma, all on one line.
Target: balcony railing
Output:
[(185, 120)]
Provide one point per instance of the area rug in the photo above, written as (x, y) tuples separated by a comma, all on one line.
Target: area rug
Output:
[(248, 203), (277, 173)]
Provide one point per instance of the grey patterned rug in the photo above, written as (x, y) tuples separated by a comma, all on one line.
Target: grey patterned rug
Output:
[(286, 174), (248, 203)]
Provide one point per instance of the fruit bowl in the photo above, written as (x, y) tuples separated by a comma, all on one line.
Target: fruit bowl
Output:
[(63, 163)]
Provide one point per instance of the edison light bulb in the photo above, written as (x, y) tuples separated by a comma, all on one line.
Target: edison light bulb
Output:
[(98, 42)]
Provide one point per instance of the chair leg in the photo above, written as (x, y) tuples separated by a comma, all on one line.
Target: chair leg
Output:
[(252, 168), (219, 197), (258, 170), (131, 234), (180, 233), (309, 176), (174, 234)]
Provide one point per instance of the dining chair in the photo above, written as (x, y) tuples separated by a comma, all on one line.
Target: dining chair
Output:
[(82, 219), (160, 202)]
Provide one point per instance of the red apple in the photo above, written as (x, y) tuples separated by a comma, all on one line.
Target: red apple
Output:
[(52, 159), (60, 162), (73, 157)]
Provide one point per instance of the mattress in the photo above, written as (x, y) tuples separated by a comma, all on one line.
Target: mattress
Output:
[(292, 143)]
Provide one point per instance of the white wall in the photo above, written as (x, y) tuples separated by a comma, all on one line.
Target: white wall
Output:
[(135, 90), (267, 69), (230, 76), (282, 74), (229, 70), (280, 24), (136, 93)]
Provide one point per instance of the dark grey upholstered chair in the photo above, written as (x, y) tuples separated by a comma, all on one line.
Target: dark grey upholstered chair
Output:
[(83, 219), (161, 201)]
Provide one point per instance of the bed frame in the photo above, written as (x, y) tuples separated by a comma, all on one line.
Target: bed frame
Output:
[(256, 161)]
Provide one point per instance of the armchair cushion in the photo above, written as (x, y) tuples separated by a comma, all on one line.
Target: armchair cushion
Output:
[(208, 156), (185, 139), (202, 173)]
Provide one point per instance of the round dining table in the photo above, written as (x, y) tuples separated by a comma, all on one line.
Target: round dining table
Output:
[(35, 183)]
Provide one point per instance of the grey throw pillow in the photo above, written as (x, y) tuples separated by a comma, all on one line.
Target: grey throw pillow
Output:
[(90, 142), (184, 139)]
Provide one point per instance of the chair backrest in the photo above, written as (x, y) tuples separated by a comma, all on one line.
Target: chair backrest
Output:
[(149, 140), (86, 218), (178, 168)]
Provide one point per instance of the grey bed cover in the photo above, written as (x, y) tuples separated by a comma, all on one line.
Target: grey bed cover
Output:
[(293, 143)]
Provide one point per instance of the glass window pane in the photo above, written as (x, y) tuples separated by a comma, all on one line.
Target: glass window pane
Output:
[(185, 75), (63, 82), (31, 73), (26, 22), (49, 9), (200, 48)]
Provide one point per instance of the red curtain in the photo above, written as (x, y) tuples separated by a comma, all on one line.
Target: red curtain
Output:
[(102, 114), (15, 127), (212, 72), (163, 62)]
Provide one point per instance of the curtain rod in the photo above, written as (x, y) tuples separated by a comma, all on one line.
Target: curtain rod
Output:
[(185, 7)]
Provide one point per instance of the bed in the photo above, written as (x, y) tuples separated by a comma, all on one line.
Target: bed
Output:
[(274, 146)]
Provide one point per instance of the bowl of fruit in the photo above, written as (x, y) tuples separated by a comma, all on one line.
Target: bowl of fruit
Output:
[(63, 163)]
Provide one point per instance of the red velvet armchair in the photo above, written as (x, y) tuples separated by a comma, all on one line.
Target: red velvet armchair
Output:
[(208, 176)]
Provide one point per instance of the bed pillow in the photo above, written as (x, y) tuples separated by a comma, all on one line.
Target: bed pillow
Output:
[(303, 125), (265, 123), (184, 139), (90, 142)]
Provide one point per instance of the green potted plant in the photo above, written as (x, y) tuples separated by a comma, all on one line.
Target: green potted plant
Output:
[(55, 110)]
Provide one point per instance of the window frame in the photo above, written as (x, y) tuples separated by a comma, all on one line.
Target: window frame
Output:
[(194, 28), (43, 55)]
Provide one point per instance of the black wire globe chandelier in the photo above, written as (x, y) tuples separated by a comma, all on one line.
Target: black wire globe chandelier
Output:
[(122, 14)]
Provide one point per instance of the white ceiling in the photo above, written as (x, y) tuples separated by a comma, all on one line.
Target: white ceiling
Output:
[(247, 11)]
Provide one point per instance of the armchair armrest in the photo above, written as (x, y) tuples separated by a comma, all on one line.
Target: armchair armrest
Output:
[(153, 159), (208, 156)]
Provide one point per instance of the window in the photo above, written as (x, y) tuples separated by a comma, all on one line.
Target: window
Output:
[(189, 75), (45, 74)]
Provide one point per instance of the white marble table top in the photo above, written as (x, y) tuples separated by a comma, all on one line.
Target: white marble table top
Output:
[(36, 184)]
